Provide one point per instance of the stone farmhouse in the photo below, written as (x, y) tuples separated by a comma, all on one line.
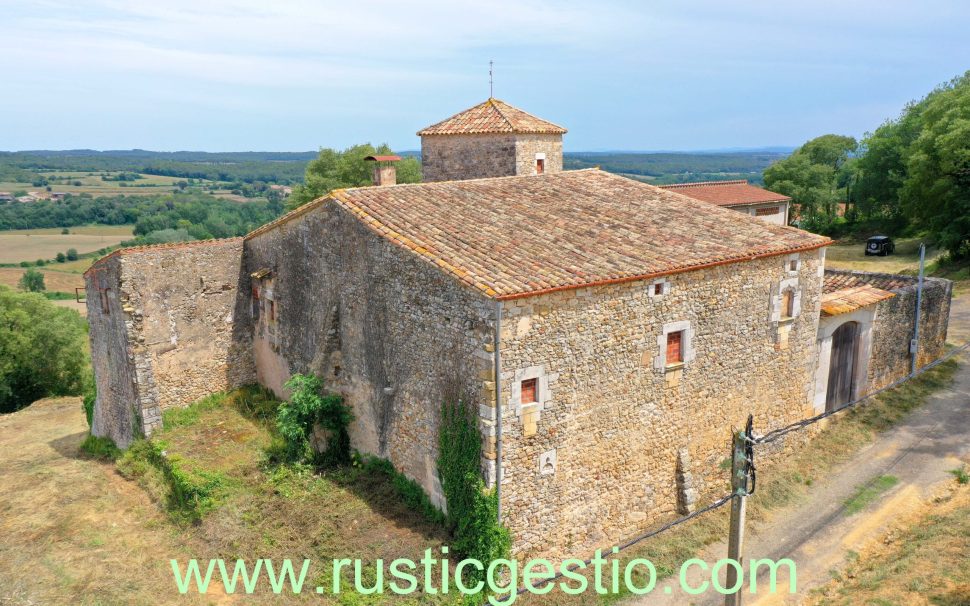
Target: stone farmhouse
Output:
[(738, 195), (607, 333)]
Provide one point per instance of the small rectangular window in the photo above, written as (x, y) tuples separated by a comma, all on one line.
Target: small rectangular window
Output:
[(793, 266), (540, 166), (675, 352), (764, 212), (530, 391), (658, 288)]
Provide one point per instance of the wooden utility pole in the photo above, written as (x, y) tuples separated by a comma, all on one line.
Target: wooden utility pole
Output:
[(739, 488)]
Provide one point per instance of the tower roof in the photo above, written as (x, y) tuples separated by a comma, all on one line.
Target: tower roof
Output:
[(492, 116)]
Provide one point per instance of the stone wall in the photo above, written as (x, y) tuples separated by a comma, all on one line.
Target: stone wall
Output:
[(117, 413), (893, 329), (173, 311), (528, 147), (618, 440), (779, 218), (456, 157), (380, 325)]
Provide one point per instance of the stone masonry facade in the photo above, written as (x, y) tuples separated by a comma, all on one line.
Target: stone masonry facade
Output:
[(625, 434), (450, 157), (393, 335), (165, 331)]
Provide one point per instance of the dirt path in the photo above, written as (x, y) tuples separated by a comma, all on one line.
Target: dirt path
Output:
[(71, 530), (818, 533)]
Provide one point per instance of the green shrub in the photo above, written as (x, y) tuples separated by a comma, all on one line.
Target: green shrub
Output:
[(100, 448), (189, 492), (43, 350), (472, 510), (306, 408), (87, 404)]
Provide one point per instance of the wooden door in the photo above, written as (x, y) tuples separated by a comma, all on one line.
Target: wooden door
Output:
[(842, 379)]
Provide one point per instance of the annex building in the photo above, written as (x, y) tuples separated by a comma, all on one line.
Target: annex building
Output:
[(608, 331)]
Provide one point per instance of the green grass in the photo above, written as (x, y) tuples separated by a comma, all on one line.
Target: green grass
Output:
[(869, 492), (100, 448), (960, 473)]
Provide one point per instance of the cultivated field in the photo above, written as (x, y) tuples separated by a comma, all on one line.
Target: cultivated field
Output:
[(92, 183), (30, 245)]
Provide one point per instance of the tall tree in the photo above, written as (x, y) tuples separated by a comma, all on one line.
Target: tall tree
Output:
[(334, 169), (937, 188), (813, 176)]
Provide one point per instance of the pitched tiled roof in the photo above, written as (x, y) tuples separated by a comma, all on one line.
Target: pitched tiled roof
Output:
[(836, 280), (492, 116), (727, 193), (517, 236), (850, 299)]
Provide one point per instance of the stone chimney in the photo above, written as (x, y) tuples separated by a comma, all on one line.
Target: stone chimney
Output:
[(385, 171)]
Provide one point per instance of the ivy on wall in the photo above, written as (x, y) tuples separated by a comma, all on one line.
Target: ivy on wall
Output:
[(472, 509)]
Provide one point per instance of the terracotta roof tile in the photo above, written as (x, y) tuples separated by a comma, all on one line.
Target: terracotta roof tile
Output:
[(492, 116), (518, 236), (850, 299), (727, 193), (836, 280)]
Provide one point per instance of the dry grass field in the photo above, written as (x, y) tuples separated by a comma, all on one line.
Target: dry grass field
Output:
[(30, 245), (76, 531), (904, 260), (55, 281)]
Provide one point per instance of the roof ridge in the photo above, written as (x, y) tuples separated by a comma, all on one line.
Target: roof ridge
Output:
[(493, 102), (706, 183), (296, 212)]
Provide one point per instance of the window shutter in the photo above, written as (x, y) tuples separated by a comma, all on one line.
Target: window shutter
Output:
[(529, 391), (674, 350)]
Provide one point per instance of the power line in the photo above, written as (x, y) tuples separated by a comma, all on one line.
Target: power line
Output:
[(716, 504), (776, 434)]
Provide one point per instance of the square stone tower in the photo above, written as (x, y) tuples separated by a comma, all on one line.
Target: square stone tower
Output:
[(492, 139)]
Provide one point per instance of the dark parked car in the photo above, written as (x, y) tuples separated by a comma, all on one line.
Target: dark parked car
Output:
[(880, 245)]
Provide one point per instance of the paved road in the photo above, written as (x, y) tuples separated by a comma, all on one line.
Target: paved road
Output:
[(818, 533)]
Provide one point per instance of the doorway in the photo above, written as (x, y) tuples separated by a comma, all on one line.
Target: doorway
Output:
[(842, 368)]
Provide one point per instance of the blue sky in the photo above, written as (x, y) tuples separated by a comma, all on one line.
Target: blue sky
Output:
[(232, 75)]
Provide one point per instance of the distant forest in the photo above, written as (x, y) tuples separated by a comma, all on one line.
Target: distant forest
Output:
[(288, 168), (675, 167), (283, 168)]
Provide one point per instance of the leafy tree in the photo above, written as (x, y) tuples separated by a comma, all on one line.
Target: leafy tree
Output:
[(32, 281), (65, 231), (72, 254), (937, 188), (60, 258), (814, 175), (42, 350), (334, 169)]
